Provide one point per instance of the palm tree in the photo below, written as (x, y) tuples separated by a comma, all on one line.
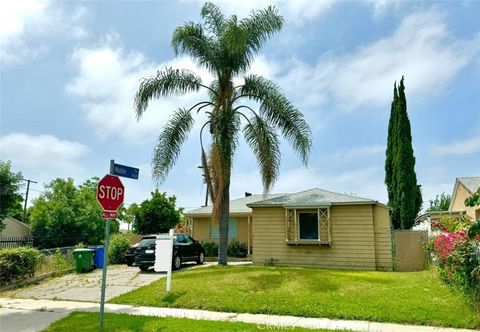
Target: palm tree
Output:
[(226, 48)]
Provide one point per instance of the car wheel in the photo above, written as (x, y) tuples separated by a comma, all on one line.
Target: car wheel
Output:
[(177, 262), (129, 262), (144, 268), (201, 258)]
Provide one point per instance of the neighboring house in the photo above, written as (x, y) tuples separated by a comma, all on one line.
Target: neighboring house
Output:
[(202, 228), (314, 227), (464, 187), (424, 221), (15, 228)]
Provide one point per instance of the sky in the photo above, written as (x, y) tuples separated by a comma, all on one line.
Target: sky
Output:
[(70, 70)]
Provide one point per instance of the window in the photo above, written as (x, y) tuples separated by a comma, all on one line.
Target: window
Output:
[(308, 225), (147, 242), (188, 239), (232, 229), (181, 238)]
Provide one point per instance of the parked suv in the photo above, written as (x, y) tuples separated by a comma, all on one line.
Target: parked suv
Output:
[(185, 249)]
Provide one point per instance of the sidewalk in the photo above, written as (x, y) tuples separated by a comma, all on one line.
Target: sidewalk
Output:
[(34, 315)]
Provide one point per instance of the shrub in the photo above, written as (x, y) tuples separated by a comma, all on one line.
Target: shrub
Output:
[(56, 262), (211, 249), (457, 255), (237, 249), (18, 263), (119, 243)]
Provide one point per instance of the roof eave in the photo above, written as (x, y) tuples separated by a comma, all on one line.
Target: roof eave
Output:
[(319, 205)]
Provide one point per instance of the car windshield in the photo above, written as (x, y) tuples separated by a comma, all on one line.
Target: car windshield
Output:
[(147, 242)]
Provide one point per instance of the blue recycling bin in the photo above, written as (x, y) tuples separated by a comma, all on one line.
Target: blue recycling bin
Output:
[(99, 256)]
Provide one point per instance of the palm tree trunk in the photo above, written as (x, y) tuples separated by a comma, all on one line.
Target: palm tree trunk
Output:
[(224, 218)]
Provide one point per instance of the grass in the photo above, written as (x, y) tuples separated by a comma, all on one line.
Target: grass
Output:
[(412, 298), (55, 263), (86, 322)]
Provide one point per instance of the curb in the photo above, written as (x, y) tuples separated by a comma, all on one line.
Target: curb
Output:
[(32, 280)]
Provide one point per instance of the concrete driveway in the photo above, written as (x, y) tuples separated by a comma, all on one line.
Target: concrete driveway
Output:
[(86, 286)]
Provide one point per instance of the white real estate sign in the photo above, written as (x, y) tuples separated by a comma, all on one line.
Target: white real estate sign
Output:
[(163, 256)]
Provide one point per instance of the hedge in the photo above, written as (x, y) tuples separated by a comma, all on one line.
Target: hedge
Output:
[(235, 249), (119, 243), (18, 263)]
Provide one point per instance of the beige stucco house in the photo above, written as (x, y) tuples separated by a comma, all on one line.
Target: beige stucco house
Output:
[(202, 228), (310, 228), (464, 187), (15, 228)]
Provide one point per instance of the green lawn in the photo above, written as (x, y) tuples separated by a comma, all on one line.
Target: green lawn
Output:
[(413, 298), (85, 322)]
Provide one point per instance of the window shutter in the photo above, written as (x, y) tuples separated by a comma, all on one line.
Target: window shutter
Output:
[(291, 222), (324, 225)]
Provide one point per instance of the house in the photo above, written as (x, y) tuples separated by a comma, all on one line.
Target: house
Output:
[(315, 227), (15, 228), (202, 228), (464, 187)]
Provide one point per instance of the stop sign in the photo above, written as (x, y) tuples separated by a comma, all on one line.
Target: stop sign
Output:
[(110, 192)]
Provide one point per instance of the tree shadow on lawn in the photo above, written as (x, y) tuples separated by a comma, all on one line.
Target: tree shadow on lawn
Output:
[(266, 282), (172, 297)]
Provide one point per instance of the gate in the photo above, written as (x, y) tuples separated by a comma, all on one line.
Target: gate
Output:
[(410, 254)]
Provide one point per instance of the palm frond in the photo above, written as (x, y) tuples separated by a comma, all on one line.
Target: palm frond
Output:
[(278, 110), (264, 142), (261, 25), (170, 142), (225, 128), (190, 39), (167, 82), (213, 17)]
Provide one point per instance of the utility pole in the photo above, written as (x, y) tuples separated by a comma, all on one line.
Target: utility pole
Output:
[(26, 197)]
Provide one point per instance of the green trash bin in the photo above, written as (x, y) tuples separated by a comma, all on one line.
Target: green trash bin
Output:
[(83, 259)]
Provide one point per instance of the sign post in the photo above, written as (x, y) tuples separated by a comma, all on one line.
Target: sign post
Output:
[(110, 195), (163, 256)]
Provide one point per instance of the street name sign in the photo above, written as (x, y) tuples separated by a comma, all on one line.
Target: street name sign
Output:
[(125, 171)]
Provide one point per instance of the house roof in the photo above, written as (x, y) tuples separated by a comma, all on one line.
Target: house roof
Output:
[(471, 183), (15, 221), (237, 206), (313, 197)]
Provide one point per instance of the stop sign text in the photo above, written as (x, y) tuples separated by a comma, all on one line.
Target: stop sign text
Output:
[(110, 193)]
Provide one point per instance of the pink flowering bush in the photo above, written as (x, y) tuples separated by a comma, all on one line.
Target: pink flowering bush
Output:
[(456, 254)]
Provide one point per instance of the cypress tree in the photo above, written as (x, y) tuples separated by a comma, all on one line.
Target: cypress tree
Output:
[(404, 194), (391, 148)]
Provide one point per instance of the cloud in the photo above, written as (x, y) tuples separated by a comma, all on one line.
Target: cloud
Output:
[(41, 151), (45, 157), (108, 76), (357, 153), (107, 79), (296, 11), (23, 22), (469, 145), (421, 48)]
